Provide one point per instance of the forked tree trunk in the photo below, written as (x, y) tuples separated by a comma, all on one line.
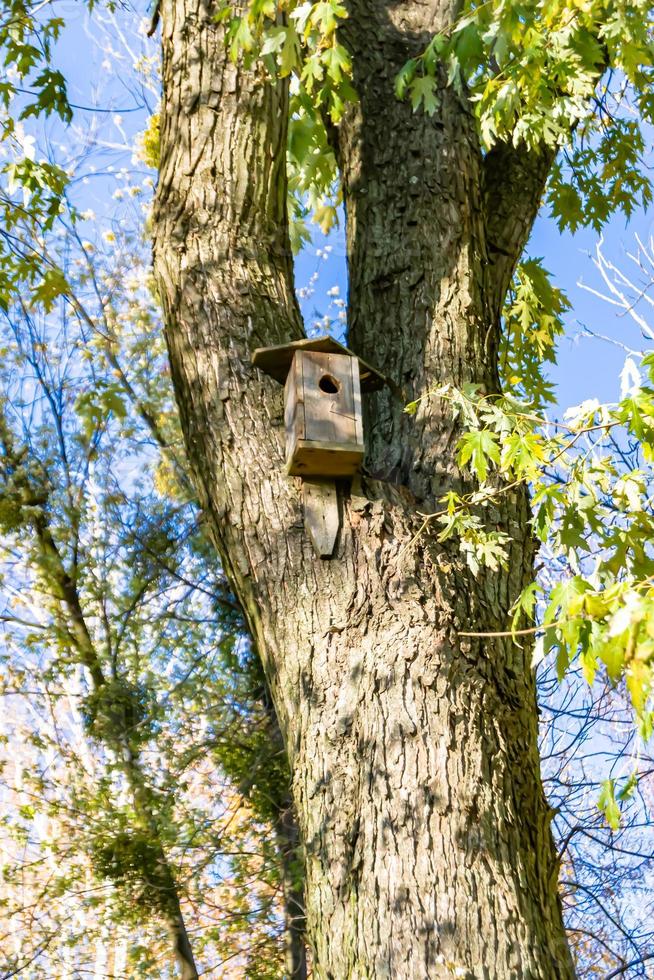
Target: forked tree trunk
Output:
[(413, 750)]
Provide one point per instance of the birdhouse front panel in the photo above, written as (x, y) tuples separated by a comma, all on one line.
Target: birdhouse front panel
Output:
[(324, 432)]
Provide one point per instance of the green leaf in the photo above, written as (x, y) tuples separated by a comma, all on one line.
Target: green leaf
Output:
[(525, 604), (566, 599), (478, 448), (639, 683), (50, 288), (629, 788), (291, 52), (326, 216), (608, 805), (404, 77), (337, 62), (274, 40), (423, 91)]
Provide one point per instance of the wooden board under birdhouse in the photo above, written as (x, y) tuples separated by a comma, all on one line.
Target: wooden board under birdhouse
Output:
[(324, 431)]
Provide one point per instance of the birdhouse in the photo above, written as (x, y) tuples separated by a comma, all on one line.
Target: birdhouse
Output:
[(322, 404)]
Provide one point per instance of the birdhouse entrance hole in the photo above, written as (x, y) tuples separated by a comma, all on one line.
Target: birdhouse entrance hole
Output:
[(329, 385)]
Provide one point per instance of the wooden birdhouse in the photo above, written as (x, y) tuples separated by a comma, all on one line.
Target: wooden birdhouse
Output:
[(323, 384)]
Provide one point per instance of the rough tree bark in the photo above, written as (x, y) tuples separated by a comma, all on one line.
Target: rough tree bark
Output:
[(413, 750)]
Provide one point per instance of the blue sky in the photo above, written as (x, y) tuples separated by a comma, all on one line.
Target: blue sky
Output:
[(97, 65)]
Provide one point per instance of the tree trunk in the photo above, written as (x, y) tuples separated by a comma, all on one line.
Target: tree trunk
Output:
[(413, 750), (289, 844), (164, 902), (292, 875)]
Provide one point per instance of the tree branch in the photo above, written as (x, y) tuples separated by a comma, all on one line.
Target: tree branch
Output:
[(627, 966), (514, 182)]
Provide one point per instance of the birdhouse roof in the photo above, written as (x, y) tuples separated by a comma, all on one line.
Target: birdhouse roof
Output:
[(276, 361)]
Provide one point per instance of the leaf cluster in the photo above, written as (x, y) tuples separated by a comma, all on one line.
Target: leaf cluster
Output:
[(31, 189), (585, 507), (569, 75)]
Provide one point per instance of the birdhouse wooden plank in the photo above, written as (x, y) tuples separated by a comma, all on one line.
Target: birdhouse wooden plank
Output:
[(321, 514), (322, 405), (324, 434)]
